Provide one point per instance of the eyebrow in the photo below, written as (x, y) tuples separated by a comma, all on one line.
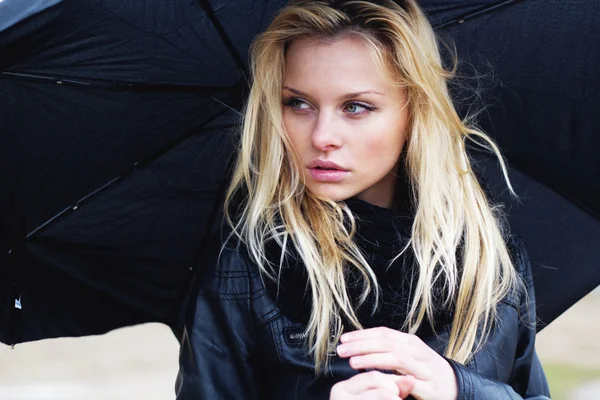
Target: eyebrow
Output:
[(344, 97)]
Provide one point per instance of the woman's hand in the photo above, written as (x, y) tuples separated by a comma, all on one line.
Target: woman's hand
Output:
[(387, 349), (373, 385)]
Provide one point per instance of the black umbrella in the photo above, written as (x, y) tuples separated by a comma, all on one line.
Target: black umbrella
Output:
[(544, 112), (117, 128)]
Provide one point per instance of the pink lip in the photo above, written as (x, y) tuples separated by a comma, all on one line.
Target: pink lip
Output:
[(327, 175), (324, 164), (326, 171)]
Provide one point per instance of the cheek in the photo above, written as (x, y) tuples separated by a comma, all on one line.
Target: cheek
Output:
[(383, 148), (293, 129)]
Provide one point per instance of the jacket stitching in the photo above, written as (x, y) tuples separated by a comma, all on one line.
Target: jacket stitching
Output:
[(269, 317)]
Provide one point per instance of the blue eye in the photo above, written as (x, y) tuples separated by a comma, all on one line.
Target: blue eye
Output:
[(295, 103), (358, 108), (353, 107)]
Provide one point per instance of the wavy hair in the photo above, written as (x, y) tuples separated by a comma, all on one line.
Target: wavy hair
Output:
[(457, 235)]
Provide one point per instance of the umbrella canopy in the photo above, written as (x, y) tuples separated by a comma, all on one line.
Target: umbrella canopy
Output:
[(118, 121), (543, 103)]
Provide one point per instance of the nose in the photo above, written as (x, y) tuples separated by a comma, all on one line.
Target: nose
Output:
[(326, 135)]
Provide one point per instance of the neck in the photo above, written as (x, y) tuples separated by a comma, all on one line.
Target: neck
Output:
[(392, 192), (383, 193)]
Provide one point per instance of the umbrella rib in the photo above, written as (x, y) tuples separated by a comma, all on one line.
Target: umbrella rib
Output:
[(477, 13), (110, 85), (210, 12), (122, 176), (76, 206), (228, 106)]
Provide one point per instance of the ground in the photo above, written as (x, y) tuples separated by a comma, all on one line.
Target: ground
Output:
[(570, 351)]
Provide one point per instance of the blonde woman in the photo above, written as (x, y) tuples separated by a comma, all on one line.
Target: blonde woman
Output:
[(362, 259)]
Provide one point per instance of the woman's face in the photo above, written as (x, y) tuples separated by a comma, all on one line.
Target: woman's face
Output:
[(345, 119)]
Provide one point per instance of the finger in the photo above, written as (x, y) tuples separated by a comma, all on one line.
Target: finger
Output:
[(367, 381), (406, 384), (395, 361), (379, 394), (370, 346), (376, 333)]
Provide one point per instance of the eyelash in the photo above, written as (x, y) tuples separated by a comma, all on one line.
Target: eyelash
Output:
[(290, 100)]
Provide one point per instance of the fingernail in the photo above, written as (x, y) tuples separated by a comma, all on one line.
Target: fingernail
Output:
[(355, 363), (342, 350)]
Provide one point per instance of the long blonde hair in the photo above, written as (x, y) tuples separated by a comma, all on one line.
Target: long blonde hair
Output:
[(452, 212)]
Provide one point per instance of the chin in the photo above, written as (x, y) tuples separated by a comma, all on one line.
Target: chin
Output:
[(331, 192)]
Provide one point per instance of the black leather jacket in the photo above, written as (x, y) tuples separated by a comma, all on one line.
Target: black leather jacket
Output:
[(242, 343)]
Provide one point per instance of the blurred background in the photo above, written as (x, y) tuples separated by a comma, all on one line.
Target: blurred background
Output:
[(141, 362)]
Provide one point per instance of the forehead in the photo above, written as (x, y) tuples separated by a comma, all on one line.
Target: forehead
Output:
[(344, 63)]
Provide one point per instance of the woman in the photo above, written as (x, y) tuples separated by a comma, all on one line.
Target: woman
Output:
[(362, 259)]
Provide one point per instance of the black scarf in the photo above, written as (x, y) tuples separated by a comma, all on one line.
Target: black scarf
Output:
[(381, 235)]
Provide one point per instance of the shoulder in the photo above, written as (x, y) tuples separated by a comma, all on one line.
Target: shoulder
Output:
[(232, 279), (225, 268), (520, 258), (518, 251), (522, 297)]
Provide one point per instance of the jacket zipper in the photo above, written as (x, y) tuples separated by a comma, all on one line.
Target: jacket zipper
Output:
[(295, 336)]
